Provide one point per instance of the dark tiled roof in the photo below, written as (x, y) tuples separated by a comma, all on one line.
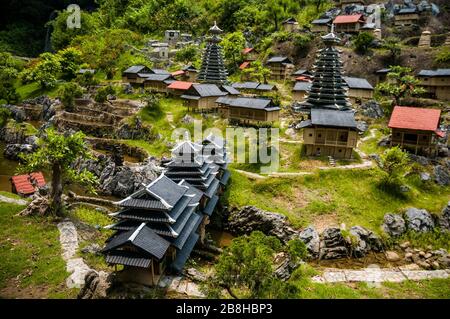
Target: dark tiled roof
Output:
[(183, 255), (198, 194), (357, 83), (166, 189), (265, 87), (324, 117), (225, 177), (190, 227), (279, 59), (301, 72), (142, 203), (245, 85), (160, 71), (135, 69), (438, 72), (302, 86), (128, 259), (251, 103), (211, 205), (231, 90), (205, 90), (157, 77), (322, 21), (212, 188), (407, 10)]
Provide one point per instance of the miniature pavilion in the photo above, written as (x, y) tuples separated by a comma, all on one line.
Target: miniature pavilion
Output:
[(213, 67), (331, 129)]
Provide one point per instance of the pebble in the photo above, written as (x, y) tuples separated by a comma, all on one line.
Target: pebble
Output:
[(405, 244), (408, 256), (392, 256)]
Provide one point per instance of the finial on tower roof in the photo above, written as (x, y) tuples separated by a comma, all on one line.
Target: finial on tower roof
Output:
[(215, 29)]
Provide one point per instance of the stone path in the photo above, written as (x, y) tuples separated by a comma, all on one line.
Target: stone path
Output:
[(68, 238), (181, 285), (169, 117), (378, 275), (10, 200), (250, 174)]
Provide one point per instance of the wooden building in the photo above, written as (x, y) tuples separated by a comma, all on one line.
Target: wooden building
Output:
[(382, 74), (202, 97), (135, 74), (416, 129), (300, 90), (290, 25), (348, 23), (254, 88), (250, 54), (246, 110), (27, 184), (330, 133), (301, 75), (359, 89), (178, 88), (188, 74), (436, 83), (172, 36), (406, 17), (158, 83), (280, 67), (321, 25)]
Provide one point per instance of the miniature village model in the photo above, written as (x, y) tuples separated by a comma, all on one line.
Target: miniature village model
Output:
[(225, 150)]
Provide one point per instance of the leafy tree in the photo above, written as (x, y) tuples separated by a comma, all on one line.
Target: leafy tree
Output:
[(5, 114), (246, 266), (278, 10), (86, 79), (401, 83), (45, 71), (257, 71), (70, 59), (443, 55), (363, 41), (62, 36), (9, 70), (68, 92), (187, 54), (57, 153), (394, 165), (395, 49), (232, 45), (102, 94)]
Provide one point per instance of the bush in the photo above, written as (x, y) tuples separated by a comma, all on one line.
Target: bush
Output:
[(102, 94), (363, 41), (68, 92), (443, 56), (5, 114), (394, 164)]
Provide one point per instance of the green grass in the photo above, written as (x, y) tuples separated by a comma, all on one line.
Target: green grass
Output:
[(33, 89), (31, 254), (351, 196), (10, 195)]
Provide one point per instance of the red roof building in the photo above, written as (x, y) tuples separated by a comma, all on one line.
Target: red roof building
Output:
[(415, 128), (179, 87), (349, 23), (179, 72), (26, 185), (244, 65), (247, 50)]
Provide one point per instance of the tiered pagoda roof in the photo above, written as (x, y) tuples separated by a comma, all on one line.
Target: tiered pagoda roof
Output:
[(328, 89), (213, 68), (160, 213)]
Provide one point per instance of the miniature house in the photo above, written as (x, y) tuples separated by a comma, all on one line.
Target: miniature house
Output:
[(349, 23), (330, 133), (246, 110), (406, 17), (158, 81), (254, 88), (300, 90), (416, 129), (135, 74), (172, 36), (321, 25), (280, 67), (359, 89), (290, 25), (202, 97), (436, 83)]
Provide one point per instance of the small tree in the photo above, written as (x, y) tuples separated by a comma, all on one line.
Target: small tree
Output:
[(395, 49), (9, 69), (57, 153), (187, 54), (46, 71), (401, 83), (258, 72), (102, 94), (68, 92), (246, 266), (233, 44), (394, 164), (363, 41), (70, 60)]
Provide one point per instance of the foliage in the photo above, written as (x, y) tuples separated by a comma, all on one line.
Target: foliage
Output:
[(233, 44), (45, 71), (62, 35), (395, 49), (245, 269), (58, 153), (401, 84), (68, 92), (302, 42), (187, 54), (257, 71), (102, 93), (443, 55), (5, 114), (297, 250), (70, 60), (395, 164), (9, 70), (363, 41), (86, 79)]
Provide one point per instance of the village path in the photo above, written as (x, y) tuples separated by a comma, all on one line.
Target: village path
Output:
[(181, 285), (10, 200), (379, 275), (68, 238), (169, 117)]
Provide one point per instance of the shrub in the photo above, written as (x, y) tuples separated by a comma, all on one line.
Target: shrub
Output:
[(102, 94), (363, 41)]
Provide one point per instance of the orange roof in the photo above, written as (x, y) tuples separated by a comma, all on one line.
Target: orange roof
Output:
[(24, 183), (303, 78), (180, 72), (354, 18), (415, 118), (247, 50), (180, 85), (244, 65)]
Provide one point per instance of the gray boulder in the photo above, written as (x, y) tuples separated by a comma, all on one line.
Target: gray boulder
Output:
[(394, 224), (249, 218), (444, 219), (422, 160), (362, 126), (312, 240), (419, 220), (372, 109), (425, 177), (12, 151), (441, 175), (385, 141), (366, 241), (333, 244)]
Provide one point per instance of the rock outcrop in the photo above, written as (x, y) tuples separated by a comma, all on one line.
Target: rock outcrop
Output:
[(96, 285), (444, 219), (311, 239), (419, 220), (13, 151), (366, 240), (249, 218), (441, 175), (394, 225), (372, 109), (333, 244)]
